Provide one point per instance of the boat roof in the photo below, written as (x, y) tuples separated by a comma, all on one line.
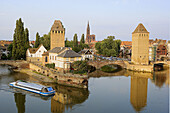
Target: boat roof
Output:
[(31, 85)]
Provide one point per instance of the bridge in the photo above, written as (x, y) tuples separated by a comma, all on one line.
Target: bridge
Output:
[(98, 64), (159, 65)]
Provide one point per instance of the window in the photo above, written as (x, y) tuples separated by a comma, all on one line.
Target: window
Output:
[(55, 57), (58, 31), (39, 50), (31, 55), (55, 31), (61, 31), (72, 59), (50, 57), (67, 59), (45, 59)]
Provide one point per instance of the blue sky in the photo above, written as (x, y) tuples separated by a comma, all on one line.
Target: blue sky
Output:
[(107, 17)]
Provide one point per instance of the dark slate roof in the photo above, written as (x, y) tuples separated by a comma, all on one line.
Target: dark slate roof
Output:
[(69, 53), (85, 52), (57, 49), (140, 29)]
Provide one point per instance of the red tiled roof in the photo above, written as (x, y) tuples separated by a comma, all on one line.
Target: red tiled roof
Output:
[(126, 43)]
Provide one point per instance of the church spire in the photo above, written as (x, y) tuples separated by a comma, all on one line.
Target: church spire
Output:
[(88, 29)]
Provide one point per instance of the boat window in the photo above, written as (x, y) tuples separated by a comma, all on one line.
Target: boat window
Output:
[(50, 88), (44, 90)]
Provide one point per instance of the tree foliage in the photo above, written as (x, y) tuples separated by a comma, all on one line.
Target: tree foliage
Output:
[(37, 41), (74, 43), (45, 40), (80, 67), (108, 47), (20, 41)]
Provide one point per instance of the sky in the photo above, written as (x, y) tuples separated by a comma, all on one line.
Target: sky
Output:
[(117, 18)]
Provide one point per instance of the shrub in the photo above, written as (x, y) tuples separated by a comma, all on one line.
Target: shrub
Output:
[(50, 65)]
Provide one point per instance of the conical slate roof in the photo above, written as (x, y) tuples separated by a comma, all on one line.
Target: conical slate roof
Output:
[(140, 29)]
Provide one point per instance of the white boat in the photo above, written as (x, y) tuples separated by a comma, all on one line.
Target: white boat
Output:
[(32, 87)]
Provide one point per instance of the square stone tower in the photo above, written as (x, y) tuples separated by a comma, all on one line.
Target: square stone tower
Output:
[(57, 35), (140, 45)]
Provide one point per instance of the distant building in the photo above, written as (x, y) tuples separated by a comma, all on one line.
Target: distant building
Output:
[(126, 47), (168, 48), (161, 52), (4, 50), (140, 45), (35, 54), (86, 54), (153, 46), (32, 43), (57, 35), (90, 39)]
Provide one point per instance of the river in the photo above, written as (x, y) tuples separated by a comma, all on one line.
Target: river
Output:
[(123, 92)]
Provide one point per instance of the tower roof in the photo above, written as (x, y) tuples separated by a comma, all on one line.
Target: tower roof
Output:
[(140, 29), (57, 25)]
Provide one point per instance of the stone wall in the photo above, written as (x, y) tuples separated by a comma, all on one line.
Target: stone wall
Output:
[(135, 67), (69, 79)]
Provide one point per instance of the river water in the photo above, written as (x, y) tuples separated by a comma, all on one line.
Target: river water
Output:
[(123, 92)]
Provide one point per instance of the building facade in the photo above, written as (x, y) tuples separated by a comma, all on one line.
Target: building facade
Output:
[(57, 35), (140, 45), (63, 57), (161, 52), (168, 48), (86, 54), (35, 54)]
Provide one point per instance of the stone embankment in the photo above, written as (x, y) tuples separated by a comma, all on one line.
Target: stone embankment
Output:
[(44, 74), (68, 79)]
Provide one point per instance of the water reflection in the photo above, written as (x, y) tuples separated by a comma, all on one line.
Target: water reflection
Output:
[(67, 97), (20, 102), (161, 78), (138, 92)]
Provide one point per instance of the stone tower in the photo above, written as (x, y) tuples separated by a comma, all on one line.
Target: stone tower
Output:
[(57, 35), (140, 45)]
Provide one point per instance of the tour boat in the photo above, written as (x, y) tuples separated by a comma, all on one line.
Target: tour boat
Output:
[(32, 87)]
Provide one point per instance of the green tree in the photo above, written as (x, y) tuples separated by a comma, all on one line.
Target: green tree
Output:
[(82, 41), (10, 50), (20, 41), (37, 41), (26, 39), (108, 47), (19, 36), (14, 55), (75, 41), (45, 40), (80, 67)]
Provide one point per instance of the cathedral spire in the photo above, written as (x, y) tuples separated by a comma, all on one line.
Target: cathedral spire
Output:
[(88, 29)]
